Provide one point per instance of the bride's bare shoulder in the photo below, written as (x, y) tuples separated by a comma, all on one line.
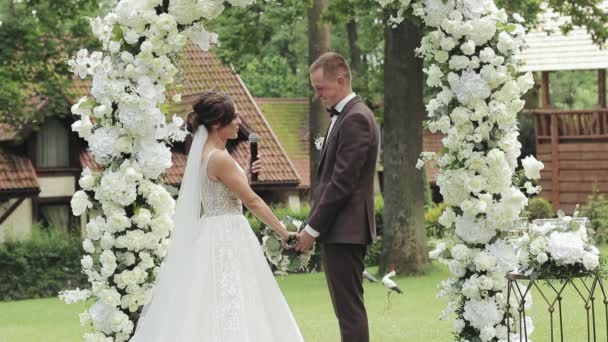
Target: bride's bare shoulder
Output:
[(220, 162)]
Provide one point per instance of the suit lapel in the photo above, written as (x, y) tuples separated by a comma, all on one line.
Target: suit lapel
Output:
[(327, 140)]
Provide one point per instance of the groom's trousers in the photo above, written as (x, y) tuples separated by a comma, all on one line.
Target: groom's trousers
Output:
[(344, 265)]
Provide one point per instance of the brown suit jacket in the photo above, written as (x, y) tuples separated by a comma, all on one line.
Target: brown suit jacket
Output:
[(342, 208)]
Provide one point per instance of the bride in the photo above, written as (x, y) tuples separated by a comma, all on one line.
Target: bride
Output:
[(215, 284)]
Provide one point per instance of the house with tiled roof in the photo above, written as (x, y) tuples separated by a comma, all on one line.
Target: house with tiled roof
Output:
[(289, 118), (40, 169)]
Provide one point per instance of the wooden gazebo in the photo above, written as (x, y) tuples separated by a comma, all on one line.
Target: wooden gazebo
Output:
[(573, 144)]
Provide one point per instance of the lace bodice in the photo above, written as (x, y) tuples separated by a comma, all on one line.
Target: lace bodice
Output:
[(216, 197)]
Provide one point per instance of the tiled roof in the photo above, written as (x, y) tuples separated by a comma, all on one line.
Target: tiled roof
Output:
[(17, 174), (202, 71), (432, 143), (6, 133), (288, 118)]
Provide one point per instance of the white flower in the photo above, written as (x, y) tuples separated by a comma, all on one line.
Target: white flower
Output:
[(88, 246), (142, 217), (81, 108), (566, 248), (87, 179), (457, 268), (505, 43), (203, 38), (458, 325), (434, 76), (469, 86), (525, 82), (482, 30), (481, 313), (542, 258), (518, 18), (590, 261), (448, 43), (472, 231), (93, 228), (74, 296), (458, 62), (86, 262), (439, 249), (468, 48), (436, 11), (531, 189), (319, 143), (80, 203), (83, 127), (484, 261), (154, 159), (460, 252), (487, 333), (79, 65), (505, 254), (447, 217), (532, 167), (102, 142)]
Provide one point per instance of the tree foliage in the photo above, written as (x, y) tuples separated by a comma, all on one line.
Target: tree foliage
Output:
[(37, 37)]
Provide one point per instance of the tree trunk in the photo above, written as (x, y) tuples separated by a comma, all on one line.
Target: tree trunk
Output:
[(404, 238), (356, 61), (318, 43)]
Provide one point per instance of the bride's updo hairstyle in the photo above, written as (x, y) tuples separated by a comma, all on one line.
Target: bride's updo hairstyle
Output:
[(210, 109)]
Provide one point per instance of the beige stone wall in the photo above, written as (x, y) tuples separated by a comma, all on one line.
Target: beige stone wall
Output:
[(19, 224), (57, 186)]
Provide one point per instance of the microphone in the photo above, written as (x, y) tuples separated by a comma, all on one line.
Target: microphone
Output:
[(253, 147)]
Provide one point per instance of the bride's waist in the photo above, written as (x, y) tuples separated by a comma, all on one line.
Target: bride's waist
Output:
[(218, 213)]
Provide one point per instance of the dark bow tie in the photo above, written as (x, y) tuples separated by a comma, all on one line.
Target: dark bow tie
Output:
[(332, 111)]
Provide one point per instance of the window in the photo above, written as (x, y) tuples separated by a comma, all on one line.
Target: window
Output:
[(58, 216), (52, 145)]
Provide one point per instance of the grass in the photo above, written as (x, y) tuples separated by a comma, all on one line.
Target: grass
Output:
[(412, 317)]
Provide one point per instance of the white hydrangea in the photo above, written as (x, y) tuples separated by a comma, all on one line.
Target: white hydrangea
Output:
[(80, 203), (482, 313)]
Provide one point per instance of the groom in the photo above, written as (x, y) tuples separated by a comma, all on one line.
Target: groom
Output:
[(342, 211)]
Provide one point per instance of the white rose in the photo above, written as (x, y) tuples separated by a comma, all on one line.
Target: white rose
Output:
[(434, 76), (87, 262), (88, 246), (80, 203), (590, 261), (505, 42), (542, 258), (468, 48), (532, 167), (458, 62)]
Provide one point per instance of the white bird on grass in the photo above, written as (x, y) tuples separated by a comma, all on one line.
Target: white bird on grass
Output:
[(369, 277), (390, 286)]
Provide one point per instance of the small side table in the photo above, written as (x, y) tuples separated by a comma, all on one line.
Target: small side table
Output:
[(588, 287)]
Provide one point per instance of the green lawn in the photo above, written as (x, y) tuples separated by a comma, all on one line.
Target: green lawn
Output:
[(413, 316)]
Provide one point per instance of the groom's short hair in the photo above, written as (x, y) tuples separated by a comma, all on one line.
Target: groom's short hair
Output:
[(333, 65)]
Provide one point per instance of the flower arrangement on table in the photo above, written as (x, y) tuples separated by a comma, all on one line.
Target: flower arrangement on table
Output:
[(283, 254), (558, 248)]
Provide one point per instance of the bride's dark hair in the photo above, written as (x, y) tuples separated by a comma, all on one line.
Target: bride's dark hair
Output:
[(210, 109)]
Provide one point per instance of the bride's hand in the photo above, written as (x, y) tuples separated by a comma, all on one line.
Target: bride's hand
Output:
[(283, 234), (256, 167)]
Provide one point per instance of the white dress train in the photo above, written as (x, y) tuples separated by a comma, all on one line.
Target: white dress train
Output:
[(231, 291)]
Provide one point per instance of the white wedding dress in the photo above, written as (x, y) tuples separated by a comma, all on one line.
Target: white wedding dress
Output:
[(226, 291)]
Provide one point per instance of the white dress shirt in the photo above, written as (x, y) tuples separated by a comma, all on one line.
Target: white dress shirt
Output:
[(339, 107)]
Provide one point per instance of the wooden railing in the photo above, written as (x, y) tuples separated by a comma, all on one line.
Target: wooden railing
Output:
[(582, 124), (573, 144)]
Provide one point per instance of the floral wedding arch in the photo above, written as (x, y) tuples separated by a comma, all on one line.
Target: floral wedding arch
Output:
[(468, 49)]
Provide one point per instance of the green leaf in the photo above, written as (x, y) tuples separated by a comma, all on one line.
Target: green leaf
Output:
[(294, 265), (273, 244)]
